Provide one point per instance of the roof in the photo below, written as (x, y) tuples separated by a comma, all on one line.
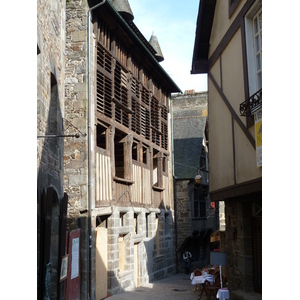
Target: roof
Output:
[(140, 41), (188, 131), (203, 30), (123, 7), (154, 43)]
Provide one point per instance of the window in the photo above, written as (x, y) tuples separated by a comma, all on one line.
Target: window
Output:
[(123, 155), (135, 224), (199, 203), (157, 169), (135, 151), (147, 224), (101, 136), (257, 31), (253, 30), (145, 155)]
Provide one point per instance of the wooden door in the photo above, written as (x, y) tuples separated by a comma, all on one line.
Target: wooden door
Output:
[(101, 263)]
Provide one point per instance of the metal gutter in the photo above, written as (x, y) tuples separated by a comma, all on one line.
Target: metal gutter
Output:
[(89, 276)]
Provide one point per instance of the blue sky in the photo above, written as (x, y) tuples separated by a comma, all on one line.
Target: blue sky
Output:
[(174, 23)]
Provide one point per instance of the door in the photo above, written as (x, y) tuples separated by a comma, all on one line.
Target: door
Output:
[(101, 263)]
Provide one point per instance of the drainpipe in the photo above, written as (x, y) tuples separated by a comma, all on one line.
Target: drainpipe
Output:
[(89, 152), (174, 186)]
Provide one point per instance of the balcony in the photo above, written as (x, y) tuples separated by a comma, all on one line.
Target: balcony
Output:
[(252, 104)]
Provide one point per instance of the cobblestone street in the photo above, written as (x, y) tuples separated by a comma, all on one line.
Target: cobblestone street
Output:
[(175, 287)]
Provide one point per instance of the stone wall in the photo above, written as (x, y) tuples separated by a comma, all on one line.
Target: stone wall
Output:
[(50, 112), (76, 149), (238, 245), (155, 246), (184, 216)]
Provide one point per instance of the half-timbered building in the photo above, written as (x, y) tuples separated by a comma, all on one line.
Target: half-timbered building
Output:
[(118, 173), (228, 48)]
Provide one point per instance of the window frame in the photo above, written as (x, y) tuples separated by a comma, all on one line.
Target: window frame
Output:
[(251, 57), (201, 202)]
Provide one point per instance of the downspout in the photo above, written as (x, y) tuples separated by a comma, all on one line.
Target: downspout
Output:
[(89, 252), (174, 186)]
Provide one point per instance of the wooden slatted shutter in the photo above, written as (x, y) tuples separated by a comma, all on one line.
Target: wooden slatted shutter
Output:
[(121, 95), (136, 116), (164, 127), (155, 125), (104, 82)]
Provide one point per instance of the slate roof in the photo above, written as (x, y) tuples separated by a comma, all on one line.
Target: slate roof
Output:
[(123, 7), (129, 27), (154, 43), (188, 132)]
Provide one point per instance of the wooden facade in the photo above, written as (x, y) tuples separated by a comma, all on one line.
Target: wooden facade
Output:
[(132, 116), (132, 145)]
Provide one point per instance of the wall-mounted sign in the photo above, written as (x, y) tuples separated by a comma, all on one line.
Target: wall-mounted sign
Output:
[(258, 137), (75, 258), (64, 268)]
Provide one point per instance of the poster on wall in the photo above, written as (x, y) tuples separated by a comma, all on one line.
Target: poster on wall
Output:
[(64, 268), (75, 258), (258, 137)]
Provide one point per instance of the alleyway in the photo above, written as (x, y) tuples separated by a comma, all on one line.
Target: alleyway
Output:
[(175, 287)]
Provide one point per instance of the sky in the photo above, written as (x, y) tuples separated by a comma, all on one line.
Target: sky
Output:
[(174, 24)]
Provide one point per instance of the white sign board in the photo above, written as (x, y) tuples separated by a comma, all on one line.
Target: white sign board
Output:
[(75, 258)]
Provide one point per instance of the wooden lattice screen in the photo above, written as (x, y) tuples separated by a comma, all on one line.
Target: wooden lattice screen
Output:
[(155, 126), (139, 102), (104, 81), (121, 96)]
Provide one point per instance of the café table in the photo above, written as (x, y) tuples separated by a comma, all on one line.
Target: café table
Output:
[(201, 280), (223, 294)]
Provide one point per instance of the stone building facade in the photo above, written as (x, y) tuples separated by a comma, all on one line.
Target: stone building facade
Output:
[(51, 200), (196, 216), (105, 175)]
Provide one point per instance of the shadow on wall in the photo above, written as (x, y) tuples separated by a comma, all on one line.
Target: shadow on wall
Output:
[(49, 184)]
